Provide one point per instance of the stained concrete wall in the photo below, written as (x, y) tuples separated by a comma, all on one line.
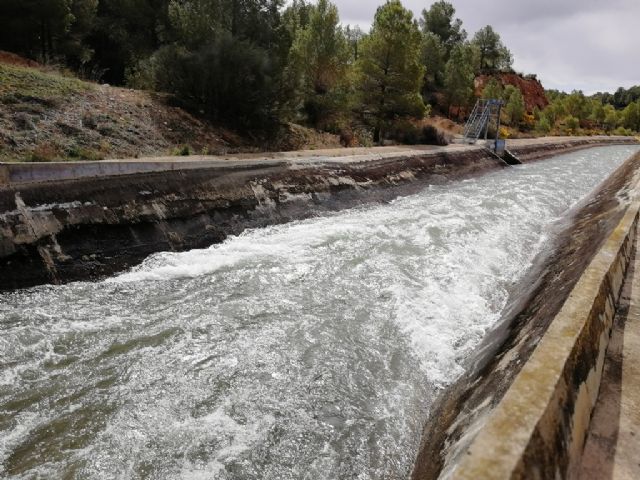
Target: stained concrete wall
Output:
[(539, 428), (75, 221), (85, 228)]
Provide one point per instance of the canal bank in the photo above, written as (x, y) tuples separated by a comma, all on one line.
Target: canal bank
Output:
[(87, 220), (523, 408)]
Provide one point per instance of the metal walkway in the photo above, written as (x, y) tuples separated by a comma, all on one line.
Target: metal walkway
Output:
[(483, 114)]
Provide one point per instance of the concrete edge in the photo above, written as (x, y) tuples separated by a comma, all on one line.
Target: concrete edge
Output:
[(29, 173), (539, 428)]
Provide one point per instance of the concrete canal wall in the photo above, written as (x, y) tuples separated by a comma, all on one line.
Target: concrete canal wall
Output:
[(73, 221), (523, 408), (539, 428)]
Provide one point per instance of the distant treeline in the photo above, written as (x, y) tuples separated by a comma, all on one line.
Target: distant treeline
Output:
[(257, 63), (570, 113)]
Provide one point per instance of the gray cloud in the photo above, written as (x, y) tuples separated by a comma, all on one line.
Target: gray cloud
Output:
[(589, 45)]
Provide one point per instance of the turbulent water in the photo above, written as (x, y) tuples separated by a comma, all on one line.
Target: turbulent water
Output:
[(310, 350)]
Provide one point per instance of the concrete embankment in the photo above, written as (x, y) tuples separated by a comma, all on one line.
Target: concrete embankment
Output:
[(75, 221), (524, 407)]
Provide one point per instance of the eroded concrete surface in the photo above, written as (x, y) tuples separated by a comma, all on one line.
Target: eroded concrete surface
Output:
[(612, 449)]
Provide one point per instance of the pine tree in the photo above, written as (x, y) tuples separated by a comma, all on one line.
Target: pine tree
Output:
[(492, 90), (320, 59), (433, 58), (439, 20), (514, 108), (390, 71), (459, 77), (493, 55)]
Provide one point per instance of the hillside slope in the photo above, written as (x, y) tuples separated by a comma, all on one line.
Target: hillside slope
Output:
[(46, 116), (531, 88)]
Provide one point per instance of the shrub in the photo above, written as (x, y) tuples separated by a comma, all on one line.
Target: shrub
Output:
[(228, 79), (408, 133), (625, 132), (543, 125), (45, 152), (572, 123), (89, 120), (77, 152), (405, 132), (183, 151), (432, 136)]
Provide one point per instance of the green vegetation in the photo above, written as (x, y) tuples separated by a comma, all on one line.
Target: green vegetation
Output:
[(576, 113), (18, 81), (389, 70), (257, 65), (493, 55)]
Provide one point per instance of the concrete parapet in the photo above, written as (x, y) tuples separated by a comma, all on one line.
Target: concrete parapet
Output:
[(539, 427), (27, 173)]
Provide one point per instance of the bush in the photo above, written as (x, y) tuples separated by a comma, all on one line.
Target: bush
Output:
[(432, 136), (505, 132), (409, 134), (45, 152), (404, 132), (625, 132), (183, 151), (543, 125)]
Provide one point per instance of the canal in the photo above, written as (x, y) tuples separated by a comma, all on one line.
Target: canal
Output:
[(307, 350)]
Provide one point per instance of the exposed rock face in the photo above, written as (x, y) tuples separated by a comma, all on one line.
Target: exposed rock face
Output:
[(531, 88)]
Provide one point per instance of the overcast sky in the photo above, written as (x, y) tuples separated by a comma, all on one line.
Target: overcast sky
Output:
[(590, 45)]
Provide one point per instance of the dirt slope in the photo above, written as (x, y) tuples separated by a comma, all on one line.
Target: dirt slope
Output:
[(46, 116)]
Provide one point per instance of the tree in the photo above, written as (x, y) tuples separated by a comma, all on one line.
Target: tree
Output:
[(47, 30), (389, 67), (439, 20), (494, 56), (433, 59), (611, 119), (598, 114), (458, 78), (543, 125), (126, 33), (572, 123), (577, 105), (354, 36), (631, 116), (320, 59), (514, 108), (225, 60), (493, 90)]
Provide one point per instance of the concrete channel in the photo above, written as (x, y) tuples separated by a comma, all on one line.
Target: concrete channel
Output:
[(539, 428), (524, 408)]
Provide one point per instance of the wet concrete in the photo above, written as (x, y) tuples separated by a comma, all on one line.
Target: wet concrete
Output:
[(462, 410), (93, 227)]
